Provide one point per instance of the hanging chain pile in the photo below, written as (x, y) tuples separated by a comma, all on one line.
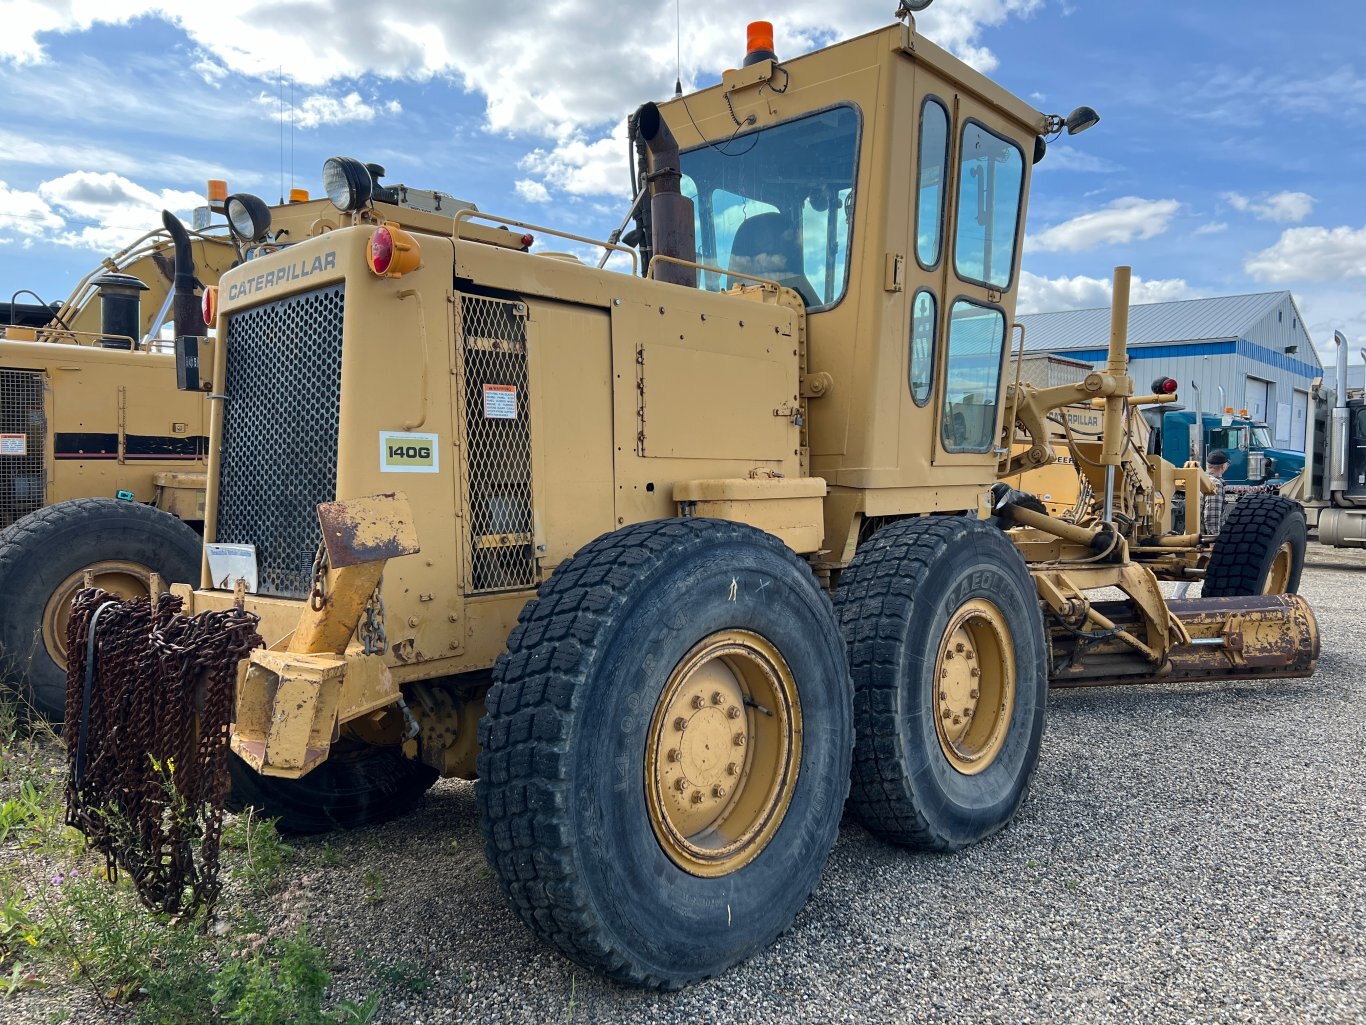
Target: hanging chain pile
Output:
[(148, 753)]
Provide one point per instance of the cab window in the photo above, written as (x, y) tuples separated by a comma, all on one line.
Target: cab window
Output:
[(924, 324), (990, 191), (934, 168), (778, 203), (972, 375)]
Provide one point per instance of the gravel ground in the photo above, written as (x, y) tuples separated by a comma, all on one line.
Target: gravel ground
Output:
[(1188, 854)]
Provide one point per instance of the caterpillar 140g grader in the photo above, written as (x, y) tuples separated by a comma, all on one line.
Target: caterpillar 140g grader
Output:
[(675, 562)]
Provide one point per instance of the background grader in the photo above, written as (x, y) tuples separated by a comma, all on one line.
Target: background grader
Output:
[(673, 563)]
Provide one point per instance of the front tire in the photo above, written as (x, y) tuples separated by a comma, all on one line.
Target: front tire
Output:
[(43, 558), (1259, 550), (949, 661), (666, 751), (353, 788)]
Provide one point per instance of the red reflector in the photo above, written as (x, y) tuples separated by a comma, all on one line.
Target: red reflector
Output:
[(1164, 386), (381, 250), (208, 304), (527, 240)]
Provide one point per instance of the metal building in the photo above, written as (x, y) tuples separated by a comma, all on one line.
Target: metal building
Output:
[(1254, 347)]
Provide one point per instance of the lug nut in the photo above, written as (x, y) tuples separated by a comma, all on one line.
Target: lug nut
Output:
[(697, 797), (946, 714), (739, 740), (944, 674), (972, 694), (958, 646), (681, 784), (957, 721), (681, 724), (732, 769), (968, 656), (718, 791), (943, 695), (716, 697), (697, 701), (948, 654), (675, 754), (733, 712)]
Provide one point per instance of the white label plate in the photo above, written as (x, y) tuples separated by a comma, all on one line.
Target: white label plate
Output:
[(406, 452)]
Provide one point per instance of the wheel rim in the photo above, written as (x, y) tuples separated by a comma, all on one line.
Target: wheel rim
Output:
[(723, 753), (124, 580), (1278, 576), (975, 687)]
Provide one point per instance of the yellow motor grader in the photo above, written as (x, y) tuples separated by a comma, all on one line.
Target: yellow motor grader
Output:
[(675, 562)]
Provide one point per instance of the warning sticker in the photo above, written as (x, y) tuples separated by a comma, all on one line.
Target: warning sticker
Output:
[(13, 444), (409, 453), (500, 402)]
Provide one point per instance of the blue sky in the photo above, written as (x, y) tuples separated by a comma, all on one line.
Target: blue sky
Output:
[(1229, 159)]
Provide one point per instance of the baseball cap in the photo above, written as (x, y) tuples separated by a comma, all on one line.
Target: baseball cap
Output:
[(1217, 458)]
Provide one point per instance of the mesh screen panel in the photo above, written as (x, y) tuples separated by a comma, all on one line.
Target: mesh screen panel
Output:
[(278, 459), (23, 475), (498, 443)]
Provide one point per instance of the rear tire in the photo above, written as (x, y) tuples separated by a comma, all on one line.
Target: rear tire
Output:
[(922, 598), (655, 853), (1259, 550), (42, 558), (350, 790)]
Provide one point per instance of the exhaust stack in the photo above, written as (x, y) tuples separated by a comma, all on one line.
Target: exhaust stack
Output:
[(671, 212), (185, 311)]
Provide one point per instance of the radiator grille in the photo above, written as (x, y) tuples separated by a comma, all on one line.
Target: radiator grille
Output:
[(23, 470), (278, 458), (498, 446)]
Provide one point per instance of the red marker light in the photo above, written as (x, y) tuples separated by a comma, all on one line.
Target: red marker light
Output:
[(381, 250), (1165, 386), (527, 240), (209, 305), (392, 252)]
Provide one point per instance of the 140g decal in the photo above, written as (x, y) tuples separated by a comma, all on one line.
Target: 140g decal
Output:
[(401, 452)]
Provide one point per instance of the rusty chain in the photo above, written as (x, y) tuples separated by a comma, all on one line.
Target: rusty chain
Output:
[(370, 632), (150, 792), (318, 597)]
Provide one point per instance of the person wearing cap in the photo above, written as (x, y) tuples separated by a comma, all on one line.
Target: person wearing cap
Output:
[(1213, 509)]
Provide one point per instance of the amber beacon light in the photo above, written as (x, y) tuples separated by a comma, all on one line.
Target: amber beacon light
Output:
[(393, 252), (759, 43)]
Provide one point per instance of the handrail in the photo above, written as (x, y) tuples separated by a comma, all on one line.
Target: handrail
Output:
[(469, 215), (65, 336), (658, 257)]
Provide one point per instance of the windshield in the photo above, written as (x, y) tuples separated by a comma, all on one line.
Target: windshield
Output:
[(1261, 437), (1228, 438), (778, 203)]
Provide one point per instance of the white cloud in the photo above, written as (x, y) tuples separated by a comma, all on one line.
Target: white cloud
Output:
[(26, 213), (104, 211), (321, 109), (1211, 228), (1119, 222), (1045, 295), (210, 71), (1311, 254), (532, 191), (1279, 208), (530, 69), (584, 168)]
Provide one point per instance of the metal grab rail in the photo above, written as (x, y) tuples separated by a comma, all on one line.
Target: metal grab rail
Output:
[(469, 215)]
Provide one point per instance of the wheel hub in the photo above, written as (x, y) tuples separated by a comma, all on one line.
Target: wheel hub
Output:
[(124, 580), (723, 752), (1278, 576), (974, 687)]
